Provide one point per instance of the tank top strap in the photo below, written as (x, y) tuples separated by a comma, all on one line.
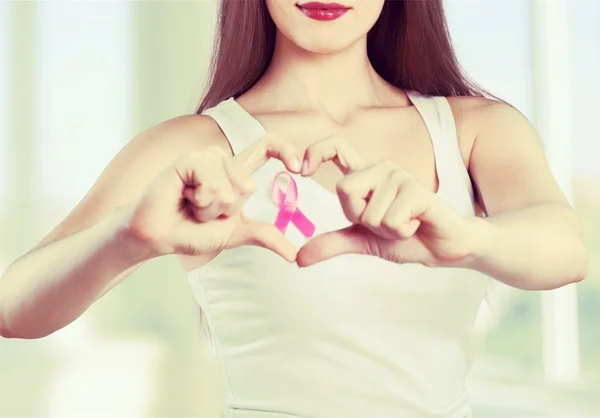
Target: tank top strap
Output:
[(439, 119), (239, 127)]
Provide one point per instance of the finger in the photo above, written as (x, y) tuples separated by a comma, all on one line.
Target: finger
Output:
[(356, 189), (352, 240), (379, 203), (198, 199), (211, 200), (401, 221), (266, 236), (352, 193), (257, 154), (196, 168), (243, 185), (381, 200), (335, 149)]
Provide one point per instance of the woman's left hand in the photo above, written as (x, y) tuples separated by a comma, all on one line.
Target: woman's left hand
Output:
[(394, 216)]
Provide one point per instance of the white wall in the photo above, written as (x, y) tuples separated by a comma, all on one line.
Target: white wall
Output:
[(83, 93)]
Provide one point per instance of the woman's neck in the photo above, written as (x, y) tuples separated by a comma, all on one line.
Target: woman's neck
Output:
[(334, 84)]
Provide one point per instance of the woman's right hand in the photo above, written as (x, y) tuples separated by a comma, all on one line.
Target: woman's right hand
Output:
[(194, 206)]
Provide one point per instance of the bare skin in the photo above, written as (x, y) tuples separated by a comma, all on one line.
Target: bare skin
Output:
[(504, 156), (120, 225), (531, 239)]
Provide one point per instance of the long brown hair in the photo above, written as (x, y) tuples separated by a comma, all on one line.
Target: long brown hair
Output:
[(409, 46)]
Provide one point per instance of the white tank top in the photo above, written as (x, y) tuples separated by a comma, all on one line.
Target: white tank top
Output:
[(351, 337)]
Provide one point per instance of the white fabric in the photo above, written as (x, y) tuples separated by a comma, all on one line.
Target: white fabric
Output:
[(351, 337)]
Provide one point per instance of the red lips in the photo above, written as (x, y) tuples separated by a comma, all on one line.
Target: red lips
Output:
[(323, 11)]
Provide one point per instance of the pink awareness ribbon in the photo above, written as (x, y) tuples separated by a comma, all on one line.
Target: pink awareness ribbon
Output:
[(288, 207)]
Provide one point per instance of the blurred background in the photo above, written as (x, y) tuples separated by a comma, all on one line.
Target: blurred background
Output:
[(78, 79)]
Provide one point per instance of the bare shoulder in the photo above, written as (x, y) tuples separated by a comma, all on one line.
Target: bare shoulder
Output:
[(473, 114), (136, 165), (184, 133)]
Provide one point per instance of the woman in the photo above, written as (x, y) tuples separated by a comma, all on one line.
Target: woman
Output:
[(364, 305)]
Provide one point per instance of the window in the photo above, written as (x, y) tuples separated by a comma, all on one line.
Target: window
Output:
[(538, 342), (83, 94), (584, 57)]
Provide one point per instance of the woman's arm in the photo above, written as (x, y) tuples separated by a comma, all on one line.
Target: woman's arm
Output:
[(51, 286), (92, 250), (531, 239)]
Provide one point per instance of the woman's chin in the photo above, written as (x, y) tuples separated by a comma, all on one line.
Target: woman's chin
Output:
[(321, 46)]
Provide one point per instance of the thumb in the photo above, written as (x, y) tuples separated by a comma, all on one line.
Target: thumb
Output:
[(264, 235), (352, 240)]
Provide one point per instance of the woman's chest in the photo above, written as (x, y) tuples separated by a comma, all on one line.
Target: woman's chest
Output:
[(400, 137)]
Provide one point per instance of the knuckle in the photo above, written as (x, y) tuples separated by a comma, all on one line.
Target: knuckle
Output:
[(344, 187), (413, 187), (272, 143), (405, 231), (395, 223), (311, 151), (369, 220), (318, 147), (269, 139), (398, 175)]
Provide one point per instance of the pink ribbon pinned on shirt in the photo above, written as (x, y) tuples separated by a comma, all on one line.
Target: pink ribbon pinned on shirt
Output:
[(288, 207)]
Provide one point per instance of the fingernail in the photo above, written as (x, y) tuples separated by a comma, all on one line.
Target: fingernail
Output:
[(296, 163), (305, 167)]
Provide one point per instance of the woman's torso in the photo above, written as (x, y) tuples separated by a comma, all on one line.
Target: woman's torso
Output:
[(353, 336)]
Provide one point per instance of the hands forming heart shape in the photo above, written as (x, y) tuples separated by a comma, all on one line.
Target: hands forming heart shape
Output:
[(394, 216)]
